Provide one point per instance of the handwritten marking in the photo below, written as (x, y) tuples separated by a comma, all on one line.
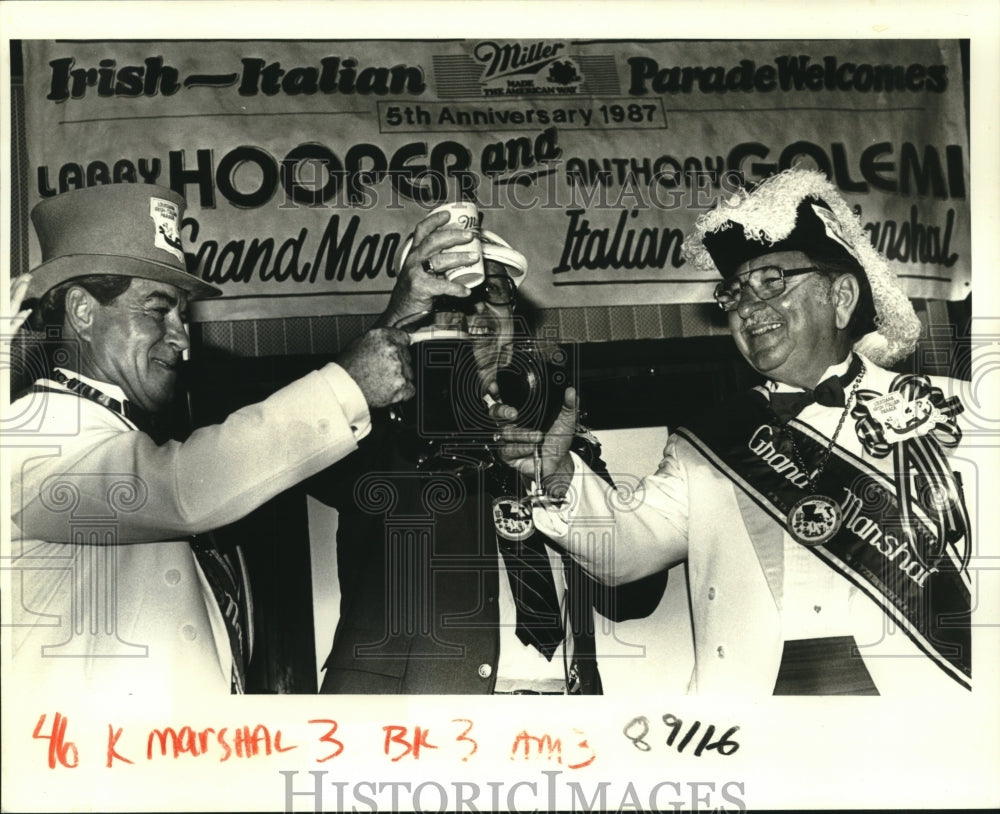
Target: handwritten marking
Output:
[(328, 738), (397, 734), (113, 736), (464, 737), (637, 729), (61, 751), (537, 747), (188, 741)]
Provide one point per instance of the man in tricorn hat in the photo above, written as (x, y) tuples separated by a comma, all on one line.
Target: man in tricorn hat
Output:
[(825, 531), (118, 590)]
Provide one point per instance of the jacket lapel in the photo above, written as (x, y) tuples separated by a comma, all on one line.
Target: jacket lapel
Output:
[(767, 538)]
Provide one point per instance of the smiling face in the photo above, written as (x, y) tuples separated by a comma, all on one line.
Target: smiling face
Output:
[(488, 325), (135, 341), (794, 337), (491, 325)]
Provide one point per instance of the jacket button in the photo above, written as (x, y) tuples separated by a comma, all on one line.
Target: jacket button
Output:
[(721, 651), (189, 633), (172, 577), (485, 671), (711, 593)]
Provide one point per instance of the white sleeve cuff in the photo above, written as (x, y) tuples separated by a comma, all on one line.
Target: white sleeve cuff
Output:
[(352, 400), (553, 519)]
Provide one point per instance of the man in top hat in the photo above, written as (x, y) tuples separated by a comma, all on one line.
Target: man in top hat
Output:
[(824, 527), (116, 587), (446, 586)]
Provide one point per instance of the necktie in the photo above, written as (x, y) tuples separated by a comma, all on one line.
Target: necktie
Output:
[(829, 393), (226, 584), (539, 621)]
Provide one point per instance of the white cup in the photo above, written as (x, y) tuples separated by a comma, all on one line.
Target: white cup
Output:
[(464, 216)]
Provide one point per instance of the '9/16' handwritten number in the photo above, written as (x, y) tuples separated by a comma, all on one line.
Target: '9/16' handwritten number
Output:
[(637, 729)]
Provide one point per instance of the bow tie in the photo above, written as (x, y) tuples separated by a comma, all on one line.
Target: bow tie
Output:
[(829, 393)]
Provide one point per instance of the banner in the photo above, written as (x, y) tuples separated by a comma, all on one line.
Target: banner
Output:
[(307, 163)]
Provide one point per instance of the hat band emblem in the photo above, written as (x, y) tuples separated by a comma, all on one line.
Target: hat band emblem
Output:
[(166, 234)]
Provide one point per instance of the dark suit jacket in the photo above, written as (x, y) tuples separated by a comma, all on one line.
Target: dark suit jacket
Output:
[(419, 577)]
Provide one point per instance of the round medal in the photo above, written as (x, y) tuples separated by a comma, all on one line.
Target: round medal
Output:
[(814, 520), (512, 518)]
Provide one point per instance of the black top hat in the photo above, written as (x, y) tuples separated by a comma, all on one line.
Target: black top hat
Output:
[(815, 233), (126, 229)]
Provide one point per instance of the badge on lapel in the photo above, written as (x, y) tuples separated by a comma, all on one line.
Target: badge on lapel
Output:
[(512, 518)]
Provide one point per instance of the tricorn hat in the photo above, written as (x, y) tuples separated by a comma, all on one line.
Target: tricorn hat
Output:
[(125, 229), (801, 210)]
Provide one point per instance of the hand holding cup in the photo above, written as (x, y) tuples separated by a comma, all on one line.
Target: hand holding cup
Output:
[(437, 252)]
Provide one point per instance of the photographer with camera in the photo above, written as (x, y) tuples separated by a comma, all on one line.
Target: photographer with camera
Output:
[(446, 587)]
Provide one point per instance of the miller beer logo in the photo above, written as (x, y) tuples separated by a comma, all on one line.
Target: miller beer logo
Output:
[(515, 58), (516, 68)]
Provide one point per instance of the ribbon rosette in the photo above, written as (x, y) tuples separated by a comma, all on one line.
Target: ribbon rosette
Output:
[(916, 422)]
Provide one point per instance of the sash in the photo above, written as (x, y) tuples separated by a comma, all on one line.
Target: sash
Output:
[(897, 547)]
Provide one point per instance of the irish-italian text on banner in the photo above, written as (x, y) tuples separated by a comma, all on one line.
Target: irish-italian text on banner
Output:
[(306, 164)]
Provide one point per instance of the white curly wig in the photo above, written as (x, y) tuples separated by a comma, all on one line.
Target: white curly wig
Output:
[(768, 215)]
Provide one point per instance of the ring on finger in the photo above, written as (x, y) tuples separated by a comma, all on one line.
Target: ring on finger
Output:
[(426, 265)]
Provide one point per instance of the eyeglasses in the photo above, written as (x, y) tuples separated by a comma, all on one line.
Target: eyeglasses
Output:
[(497, 290), (766, 282)]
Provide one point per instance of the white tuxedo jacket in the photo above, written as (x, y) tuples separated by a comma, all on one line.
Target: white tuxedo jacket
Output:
[(688, 511), (106, 594)]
